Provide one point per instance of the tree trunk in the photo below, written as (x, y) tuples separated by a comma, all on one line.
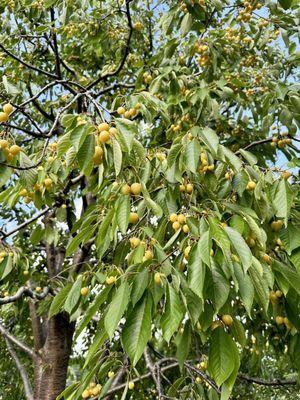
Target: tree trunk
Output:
[(51, 368)]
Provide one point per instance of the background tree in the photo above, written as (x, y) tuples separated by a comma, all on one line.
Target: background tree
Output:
[(150, 199)]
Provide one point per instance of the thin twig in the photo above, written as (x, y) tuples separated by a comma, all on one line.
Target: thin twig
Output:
[(22, 370)]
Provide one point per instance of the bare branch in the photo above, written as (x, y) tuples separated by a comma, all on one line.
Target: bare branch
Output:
[(27, 385), (258, 142), (27, 131), (153, 369), (276, 382), (22, 346)]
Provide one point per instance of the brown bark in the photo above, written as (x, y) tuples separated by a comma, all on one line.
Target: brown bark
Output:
[(51, 368)]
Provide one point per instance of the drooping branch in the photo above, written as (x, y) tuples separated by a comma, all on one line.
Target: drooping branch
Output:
[(22, 371), (22, 346)]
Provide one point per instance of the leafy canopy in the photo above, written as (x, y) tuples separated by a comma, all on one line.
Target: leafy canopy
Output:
[(143, 149)]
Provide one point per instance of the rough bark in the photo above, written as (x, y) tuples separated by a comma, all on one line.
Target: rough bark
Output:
[(51, 368)]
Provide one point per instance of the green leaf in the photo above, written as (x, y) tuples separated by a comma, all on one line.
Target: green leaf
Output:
[(290, 237), (98, 340), (192, 152), (246, 288), (288, 273), (238, 332), (173, 154), (63, 145), (137, 329), (6, 266), (260, 284), (49, 3), (196, 271), (209, 137), (139, 286), (27, 177), (205, 246), (173, 314), (127, 130), (283, 200), (59, 300), (73, 296), (183, 343), (78, 135), (221, 360), (117, 308), (228, 384), (217, 288), (252, 160), (117, 152), (123, 211), (85, 154), (295, 258), (231, 158), (157, 210), (240, 246), (84, 235), (186, 23)]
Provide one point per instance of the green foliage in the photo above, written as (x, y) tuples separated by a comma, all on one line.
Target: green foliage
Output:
[(208, 136)]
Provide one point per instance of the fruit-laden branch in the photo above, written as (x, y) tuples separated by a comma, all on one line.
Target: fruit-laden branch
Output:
[(276, 382), (158, 367), (27, 65), (24, 291), (48, 136), (4, 235), (126, 51), (140, 378), (22, 346), (22, 370)]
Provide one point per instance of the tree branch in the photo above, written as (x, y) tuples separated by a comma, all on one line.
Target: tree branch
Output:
[(140, 378), (24, 291), (276, 382), (29, 66), (27, 385), (4, 332), (150, 365), (25, 223), (48, 136), (27, 131)]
